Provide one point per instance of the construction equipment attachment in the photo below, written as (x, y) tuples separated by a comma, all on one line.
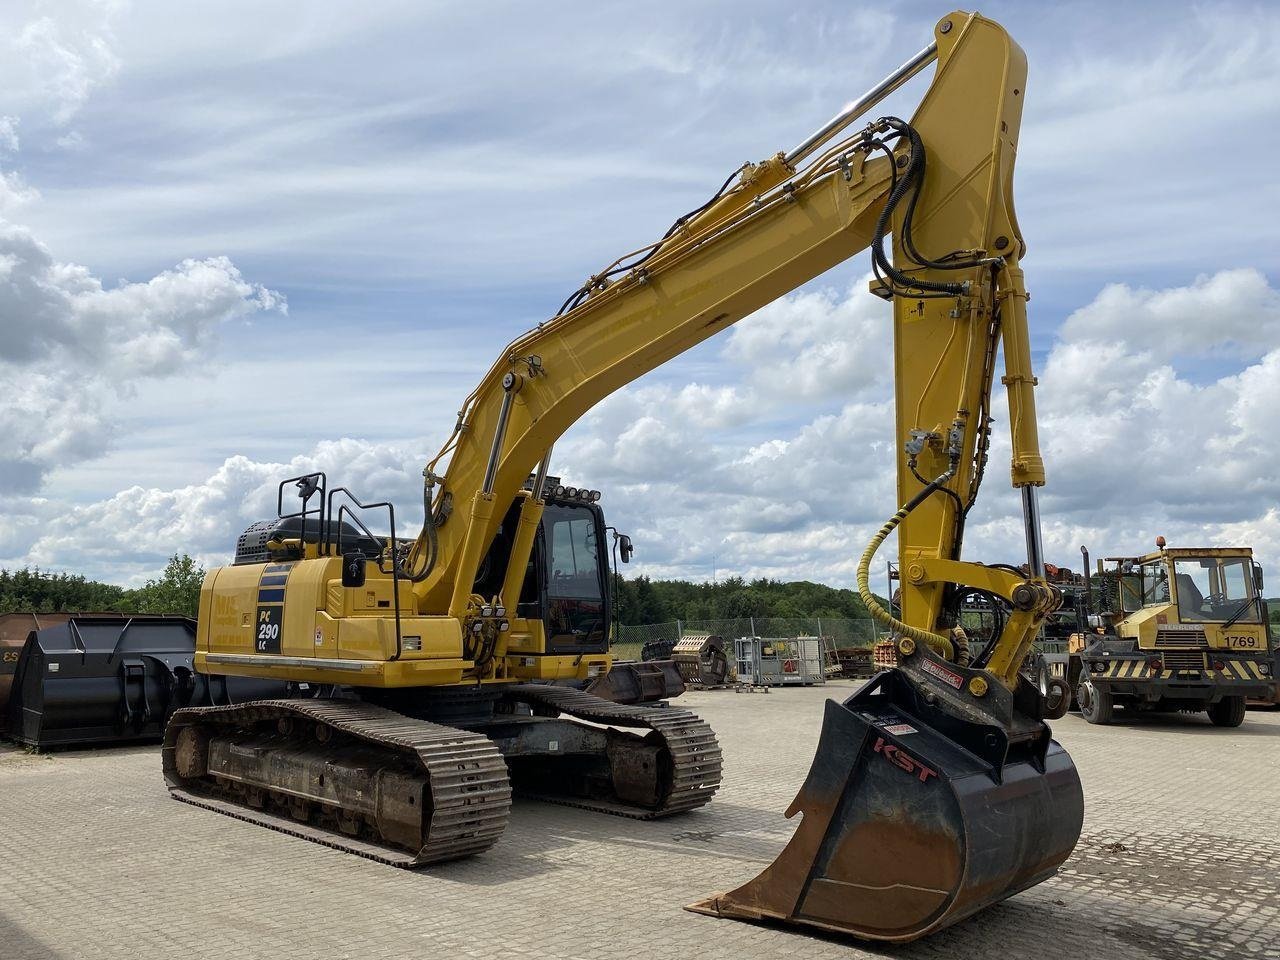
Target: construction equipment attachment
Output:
[(14, 630), (701, 659), (638, 681), (114, 679), (914, 819)]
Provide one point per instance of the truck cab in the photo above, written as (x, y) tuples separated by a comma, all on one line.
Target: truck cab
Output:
[(1181, 629)]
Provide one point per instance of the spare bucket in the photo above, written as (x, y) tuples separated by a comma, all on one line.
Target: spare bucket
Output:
[(14, 630), (914, 820), (103, 679)]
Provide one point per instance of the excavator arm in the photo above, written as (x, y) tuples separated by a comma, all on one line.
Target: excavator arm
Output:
[(942, 185)]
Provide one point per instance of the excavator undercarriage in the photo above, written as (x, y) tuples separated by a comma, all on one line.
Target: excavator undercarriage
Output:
[(409, 792)]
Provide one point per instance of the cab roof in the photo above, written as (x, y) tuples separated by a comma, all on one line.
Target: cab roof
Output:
[(1189, 553)]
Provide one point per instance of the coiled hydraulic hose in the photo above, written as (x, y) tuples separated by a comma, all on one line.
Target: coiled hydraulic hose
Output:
[(937, 641)]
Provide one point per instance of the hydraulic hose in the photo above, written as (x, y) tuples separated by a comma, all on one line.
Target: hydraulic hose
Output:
[(937, 641)]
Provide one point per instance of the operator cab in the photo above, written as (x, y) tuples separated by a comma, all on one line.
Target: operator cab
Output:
[(1204, 586), (566, 583)]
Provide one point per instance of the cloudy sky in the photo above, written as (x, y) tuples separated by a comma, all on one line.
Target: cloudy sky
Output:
[(241, 240)]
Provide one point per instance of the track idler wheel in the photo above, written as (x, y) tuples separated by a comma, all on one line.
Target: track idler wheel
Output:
[(903, 831), (191, 753)]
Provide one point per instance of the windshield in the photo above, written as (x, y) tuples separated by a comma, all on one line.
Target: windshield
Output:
[(575, 580), (1215, 589)]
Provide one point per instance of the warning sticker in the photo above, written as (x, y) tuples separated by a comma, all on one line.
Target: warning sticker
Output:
[(943, 674), (901, 729)]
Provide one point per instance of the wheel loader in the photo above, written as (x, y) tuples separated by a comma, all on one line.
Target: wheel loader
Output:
[(936, 790)]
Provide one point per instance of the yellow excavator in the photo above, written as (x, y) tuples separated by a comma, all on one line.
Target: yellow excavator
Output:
[(427, 669)]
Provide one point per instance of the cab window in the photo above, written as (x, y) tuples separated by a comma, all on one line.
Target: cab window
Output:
[(575, 614), (1215, 589), (1155, 584)]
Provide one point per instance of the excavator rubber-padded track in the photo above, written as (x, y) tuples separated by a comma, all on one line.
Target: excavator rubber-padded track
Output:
[(348, 774), (113, 680), (913, 821)]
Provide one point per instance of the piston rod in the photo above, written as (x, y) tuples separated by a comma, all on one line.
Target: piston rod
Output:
[(1031, 523), (511, 384), (540, 478), (864, 103)]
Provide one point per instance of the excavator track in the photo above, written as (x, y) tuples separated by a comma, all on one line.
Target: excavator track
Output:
[(459, 777), (696, 760)]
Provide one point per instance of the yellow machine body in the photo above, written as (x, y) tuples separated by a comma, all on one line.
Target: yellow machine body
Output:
[(344, 635), (1157, 625), (1186, 629)]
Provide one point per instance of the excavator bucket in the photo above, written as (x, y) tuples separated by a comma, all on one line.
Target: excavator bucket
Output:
[(114, 680), (914, 820)]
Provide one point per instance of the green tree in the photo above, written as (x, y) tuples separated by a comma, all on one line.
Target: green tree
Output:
[(35, 591), (176, 592)]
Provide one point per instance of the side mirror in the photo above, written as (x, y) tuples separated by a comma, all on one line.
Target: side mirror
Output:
[(353, 569), (625, 549), (1257, 577)]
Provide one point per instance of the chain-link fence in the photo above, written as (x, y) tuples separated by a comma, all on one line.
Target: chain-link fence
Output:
[(629, 641)]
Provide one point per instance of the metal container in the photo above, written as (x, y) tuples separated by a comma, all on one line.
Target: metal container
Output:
[(114, 679), (780, 661), (14, 630)]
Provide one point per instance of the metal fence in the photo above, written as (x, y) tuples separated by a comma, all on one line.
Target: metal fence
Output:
[(630, 640)]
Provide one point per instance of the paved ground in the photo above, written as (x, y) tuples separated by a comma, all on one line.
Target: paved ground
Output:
[(1180, 858)]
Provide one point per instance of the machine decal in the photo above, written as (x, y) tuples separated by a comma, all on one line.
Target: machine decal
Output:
[(943, 674), (901, 759), (267, 637), (269, 622)]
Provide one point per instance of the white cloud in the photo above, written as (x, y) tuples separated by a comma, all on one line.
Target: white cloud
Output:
[(126, 537), (14, 193), (1233, 312), (9, 134), (70, 56), (71, 347), (1138, 440), (700, 474), (816, 344)]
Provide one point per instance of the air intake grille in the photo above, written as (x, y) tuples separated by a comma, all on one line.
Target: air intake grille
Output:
[(1181, 639), (1182, 659)]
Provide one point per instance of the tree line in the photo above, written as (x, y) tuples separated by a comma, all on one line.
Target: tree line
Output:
[(640, 600), (176, 591)]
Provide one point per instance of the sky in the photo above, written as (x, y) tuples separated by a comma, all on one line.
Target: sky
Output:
[(239, 241)]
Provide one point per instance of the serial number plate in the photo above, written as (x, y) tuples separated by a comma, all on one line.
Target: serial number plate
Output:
[(1243, 643)]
